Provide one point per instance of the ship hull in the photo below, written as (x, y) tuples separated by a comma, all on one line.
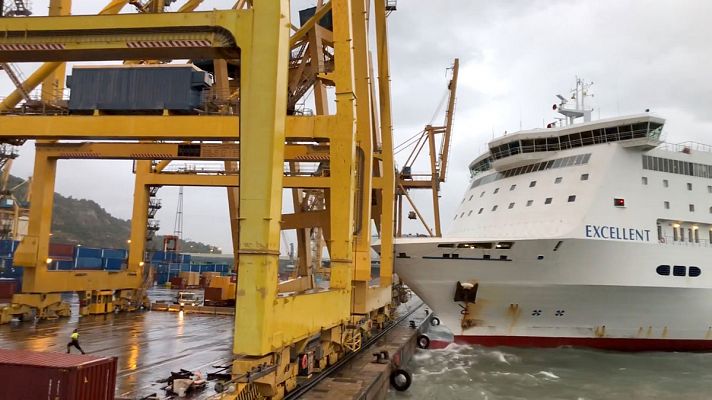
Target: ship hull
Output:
[(587, 293)]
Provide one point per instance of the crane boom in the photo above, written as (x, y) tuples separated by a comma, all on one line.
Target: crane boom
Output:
[(447, 133)]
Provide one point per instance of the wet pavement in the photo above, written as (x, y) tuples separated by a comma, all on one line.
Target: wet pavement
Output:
[(149, 344)]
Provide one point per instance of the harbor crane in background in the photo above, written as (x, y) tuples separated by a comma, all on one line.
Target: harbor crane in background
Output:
[(408, 180)]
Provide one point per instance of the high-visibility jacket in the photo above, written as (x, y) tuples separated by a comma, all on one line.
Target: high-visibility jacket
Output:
[(75, 336)]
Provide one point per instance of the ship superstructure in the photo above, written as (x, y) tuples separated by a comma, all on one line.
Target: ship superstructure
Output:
[(594, 234)]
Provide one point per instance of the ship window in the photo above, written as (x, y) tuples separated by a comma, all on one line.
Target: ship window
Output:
[(511, 205), (644, 180), (548, 200), (480, 212), (532, 183), (689, 186), (496, 190), (455, 217), (462, 214), (469, 213), (579, 159), (486, 257), (689, 235), (696, 231), (665, 183), (667, 205), (470, 197), (558, 179), (675, 233), (682, 234), (679, 270), (694, 272), (557, 163), (709, 189), (692, 208), (663, 270), (446, 245), (584, 177), (503, 258), (482, 194), (572, 198), (474, 245), (530, 202), (512, 187), (494, 208), (710, 235), (505, 245), (710, 210)]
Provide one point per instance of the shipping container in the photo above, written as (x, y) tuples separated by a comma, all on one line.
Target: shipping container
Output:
[(8, 287), (113, 263), (145, 88), (177, 282), (89, 263), (59, 251), (114, 253), (56, 376), (161, 278), (63, 265), (7, 247), (88, 252)]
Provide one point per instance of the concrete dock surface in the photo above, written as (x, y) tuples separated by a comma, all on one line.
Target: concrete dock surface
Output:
[(149, 345)]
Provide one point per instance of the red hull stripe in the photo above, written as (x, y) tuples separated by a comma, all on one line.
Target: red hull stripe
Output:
[(620, 344)]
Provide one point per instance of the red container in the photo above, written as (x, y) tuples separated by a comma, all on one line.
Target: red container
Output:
[(213, 294), (177, 282), (59, 251), (8, 287), (56, 376)]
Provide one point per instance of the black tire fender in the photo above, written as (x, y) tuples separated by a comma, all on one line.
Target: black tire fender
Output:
[(423, 341), (401, 385)]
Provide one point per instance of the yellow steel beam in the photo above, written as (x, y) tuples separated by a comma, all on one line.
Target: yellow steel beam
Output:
[(41, 280), (48, 69), (151, 127), (209, 34), (139, 218), (263, 108), (53, 85), (301, 33), (230, 181), (364, 137), (341, 196), (171, 151), (388, 191)]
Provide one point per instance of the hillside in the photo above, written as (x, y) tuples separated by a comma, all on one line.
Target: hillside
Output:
[(85, 222)]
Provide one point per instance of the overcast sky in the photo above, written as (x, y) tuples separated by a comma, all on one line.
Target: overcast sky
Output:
[(515, 57)]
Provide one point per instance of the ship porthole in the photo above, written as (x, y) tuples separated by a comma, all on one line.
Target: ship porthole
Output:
[(540, 257), (435, 321)]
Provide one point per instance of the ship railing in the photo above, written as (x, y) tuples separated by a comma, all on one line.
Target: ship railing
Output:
[(685, 147), (671, 240)]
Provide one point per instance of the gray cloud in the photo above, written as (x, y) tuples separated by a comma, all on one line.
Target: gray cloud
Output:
[(515, 56)]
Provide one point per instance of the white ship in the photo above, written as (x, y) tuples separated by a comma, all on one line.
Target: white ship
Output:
[(591, 234)]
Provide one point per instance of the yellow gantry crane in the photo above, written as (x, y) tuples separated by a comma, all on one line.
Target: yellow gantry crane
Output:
[(438, 159), (339, 160)]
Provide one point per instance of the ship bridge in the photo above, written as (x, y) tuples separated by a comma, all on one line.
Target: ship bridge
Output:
[(525, 147)]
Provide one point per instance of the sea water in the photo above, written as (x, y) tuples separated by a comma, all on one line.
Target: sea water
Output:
[(477, 373)]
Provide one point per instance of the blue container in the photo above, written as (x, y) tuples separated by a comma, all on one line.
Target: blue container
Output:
[(174, 267), (114, 253), (127, 88), (195, 267), (185, 267), (161, 279), (88, 252), (158, 256), (89, 263), (63, 265), (186, 258), (161, 268), (7, 247), (113, 263), (209, 268)]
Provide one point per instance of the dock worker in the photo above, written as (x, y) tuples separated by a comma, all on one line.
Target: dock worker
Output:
[(75, 342)]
